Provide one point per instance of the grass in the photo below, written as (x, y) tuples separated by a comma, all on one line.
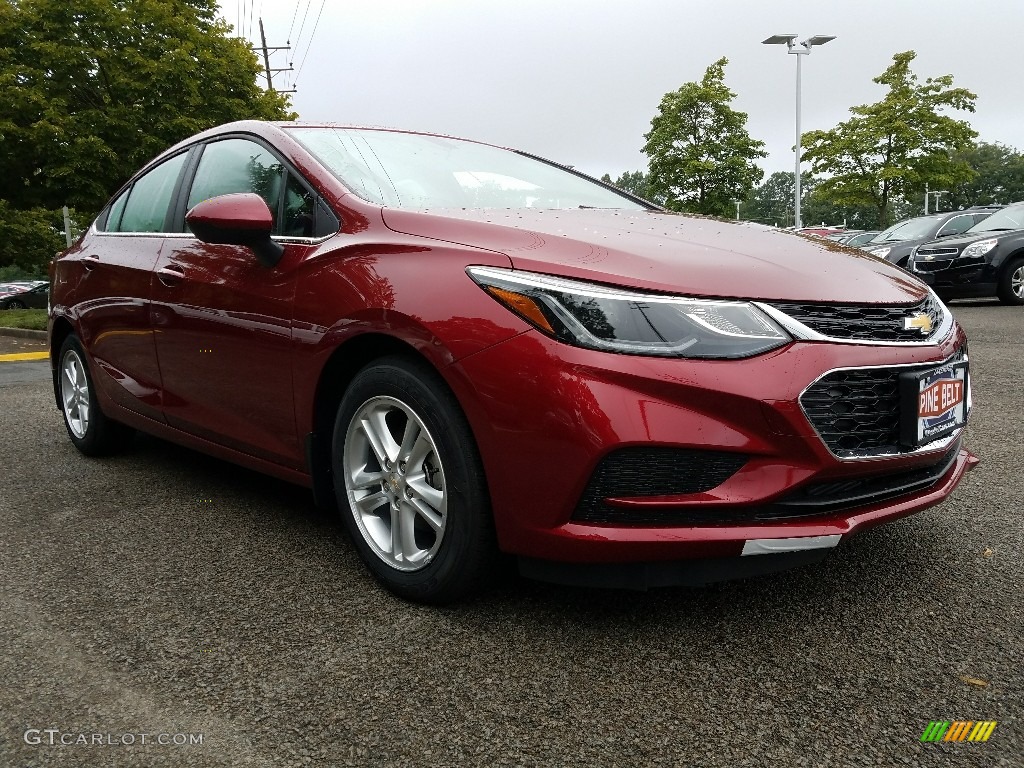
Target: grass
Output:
[(32, 319)]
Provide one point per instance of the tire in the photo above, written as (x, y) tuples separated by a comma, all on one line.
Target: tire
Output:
[(402, 451), (92, 431), (15, 304), (1011, 283)]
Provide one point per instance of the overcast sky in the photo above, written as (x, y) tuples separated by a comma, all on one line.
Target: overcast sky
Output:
[(578, 81)]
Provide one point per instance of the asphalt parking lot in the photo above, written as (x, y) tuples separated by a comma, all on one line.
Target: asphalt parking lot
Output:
[(165, 594)]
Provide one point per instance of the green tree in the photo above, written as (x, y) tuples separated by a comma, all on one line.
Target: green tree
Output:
[(890, 149), (634, 182), (702, 158), (95, 88), (28, 238), (772, 201), (999, 176), (818, 208)]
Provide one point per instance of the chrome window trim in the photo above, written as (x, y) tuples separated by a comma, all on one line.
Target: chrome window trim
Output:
[(952, 219), (935, 445), (802, 332), (287, 239)]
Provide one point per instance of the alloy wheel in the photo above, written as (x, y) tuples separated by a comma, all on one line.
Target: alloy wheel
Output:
[(74, 392), (1017, 281), (395, 483)]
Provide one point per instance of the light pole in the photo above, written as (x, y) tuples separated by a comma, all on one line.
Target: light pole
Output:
[(938, 193), (800, 49)]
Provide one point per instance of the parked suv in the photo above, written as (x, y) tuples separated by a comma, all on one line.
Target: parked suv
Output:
[(988, 260), (897, 242)]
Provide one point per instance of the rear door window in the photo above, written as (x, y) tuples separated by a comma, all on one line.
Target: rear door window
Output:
[(113, 220), (149, 199)]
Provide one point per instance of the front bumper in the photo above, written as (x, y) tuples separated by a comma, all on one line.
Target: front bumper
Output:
[(545, 415), (955, 277)]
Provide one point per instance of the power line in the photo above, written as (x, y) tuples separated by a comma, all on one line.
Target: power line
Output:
[(311, 36), (302, 26), (288, 37)]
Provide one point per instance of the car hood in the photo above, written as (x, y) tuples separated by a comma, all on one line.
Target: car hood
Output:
[(669, 252), (964, 240), (898, 245)]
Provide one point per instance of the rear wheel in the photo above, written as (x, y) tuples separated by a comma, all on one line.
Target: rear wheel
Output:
[(92, 432), (15, 304), (1011, 283), (409, 480)]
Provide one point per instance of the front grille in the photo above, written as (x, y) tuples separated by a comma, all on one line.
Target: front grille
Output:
[(868, 322), (932, 266), (857, 412), (938, 251), (934, 259), (631, 472)]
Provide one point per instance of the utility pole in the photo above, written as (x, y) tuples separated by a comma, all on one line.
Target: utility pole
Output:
[(926, 198), (266, 60)]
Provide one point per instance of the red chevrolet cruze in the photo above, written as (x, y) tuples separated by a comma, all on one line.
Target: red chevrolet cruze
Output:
[(469, 350)]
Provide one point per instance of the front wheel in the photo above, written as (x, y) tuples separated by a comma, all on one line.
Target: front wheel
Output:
[(1011, 283), (14, 304), (91, 431), (409, 480)]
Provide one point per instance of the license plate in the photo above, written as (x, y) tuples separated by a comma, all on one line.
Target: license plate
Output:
[(934, 403)]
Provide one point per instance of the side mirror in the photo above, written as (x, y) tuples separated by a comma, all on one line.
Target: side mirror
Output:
[(238, 219)]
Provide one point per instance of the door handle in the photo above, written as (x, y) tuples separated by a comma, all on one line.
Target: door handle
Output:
[(170, 275), (90, 261)]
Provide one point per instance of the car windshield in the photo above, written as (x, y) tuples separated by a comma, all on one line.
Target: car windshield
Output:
[(1011, 217), (408, 170), (912, 229)]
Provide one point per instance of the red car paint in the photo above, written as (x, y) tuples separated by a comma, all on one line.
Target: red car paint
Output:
[(203, 345)]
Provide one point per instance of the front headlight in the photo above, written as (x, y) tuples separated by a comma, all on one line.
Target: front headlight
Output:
[(879, 252), (619, 320), (979, 249)]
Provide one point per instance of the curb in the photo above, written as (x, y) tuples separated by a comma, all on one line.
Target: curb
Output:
[(23, 333)]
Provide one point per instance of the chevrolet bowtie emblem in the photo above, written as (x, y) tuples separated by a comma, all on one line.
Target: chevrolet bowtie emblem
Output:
[(922, 322)]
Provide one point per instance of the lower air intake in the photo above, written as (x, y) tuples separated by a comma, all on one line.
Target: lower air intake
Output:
[(630, 472)]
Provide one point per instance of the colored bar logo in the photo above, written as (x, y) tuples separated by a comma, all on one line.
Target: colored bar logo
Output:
[(958, 730)]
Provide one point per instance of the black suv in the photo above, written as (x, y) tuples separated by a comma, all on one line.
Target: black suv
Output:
[(988, 260), (897, 242)]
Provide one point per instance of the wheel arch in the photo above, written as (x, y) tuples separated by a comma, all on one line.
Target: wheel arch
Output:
[(335, 377), (1004, 286), (1010, 258), (60, 329)]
